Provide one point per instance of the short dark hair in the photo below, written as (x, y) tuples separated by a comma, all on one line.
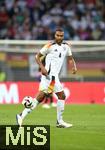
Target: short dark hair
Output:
[(59, 29)]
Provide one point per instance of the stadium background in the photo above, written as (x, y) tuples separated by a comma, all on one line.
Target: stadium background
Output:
[(25, 26)]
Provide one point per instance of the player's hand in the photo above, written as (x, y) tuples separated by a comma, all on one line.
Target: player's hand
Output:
[(44, 71), (74, 70)]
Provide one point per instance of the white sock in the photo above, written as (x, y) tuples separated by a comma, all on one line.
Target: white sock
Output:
[(60, 109), (28, 110)]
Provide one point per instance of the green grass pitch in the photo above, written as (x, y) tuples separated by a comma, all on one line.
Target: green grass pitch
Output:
[(88, 132)]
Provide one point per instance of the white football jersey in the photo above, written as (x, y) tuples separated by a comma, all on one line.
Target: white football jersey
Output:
[(54, 56)]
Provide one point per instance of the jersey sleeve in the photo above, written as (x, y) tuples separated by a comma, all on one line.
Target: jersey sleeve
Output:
[(69, 53), (45, 49)]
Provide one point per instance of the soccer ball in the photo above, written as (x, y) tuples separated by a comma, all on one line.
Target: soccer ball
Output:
[(27, 101)]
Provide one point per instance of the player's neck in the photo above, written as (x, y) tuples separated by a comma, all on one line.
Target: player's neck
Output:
[(59, 43)]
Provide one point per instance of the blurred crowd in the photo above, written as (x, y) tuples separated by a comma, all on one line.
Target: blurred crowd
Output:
[(38, 19)]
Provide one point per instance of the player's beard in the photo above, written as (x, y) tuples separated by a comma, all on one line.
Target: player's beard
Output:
[(59, 41)]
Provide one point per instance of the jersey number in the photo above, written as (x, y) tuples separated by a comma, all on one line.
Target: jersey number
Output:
[(60, 55)]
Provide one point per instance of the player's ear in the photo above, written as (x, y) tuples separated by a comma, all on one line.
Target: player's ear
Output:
[(55, 35)]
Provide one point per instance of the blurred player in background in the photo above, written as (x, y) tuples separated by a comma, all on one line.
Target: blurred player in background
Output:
[(54, 53)]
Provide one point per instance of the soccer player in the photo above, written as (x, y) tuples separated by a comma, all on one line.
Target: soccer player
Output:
[(54, 53)]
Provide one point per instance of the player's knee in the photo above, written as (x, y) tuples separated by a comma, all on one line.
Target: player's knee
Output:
[(40, 97), (62, 96)]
